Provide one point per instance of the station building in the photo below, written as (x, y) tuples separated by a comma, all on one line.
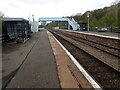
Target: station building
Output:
[(34, 27)]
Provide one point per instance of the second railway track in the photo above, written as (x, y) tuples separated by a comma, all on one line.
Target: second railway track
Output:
[(105, 50), (105, 75)]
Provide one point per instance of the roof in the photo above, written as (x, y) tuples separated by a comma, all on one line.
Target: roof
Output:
[(14, 19)]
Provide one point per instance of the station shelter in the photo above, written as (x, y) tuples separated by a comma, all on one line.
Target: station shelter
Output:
[(83, 27), (15, 27)]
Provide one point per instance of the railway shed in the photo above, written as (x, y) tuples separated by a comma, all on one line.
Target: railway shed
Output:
[(14, 28)]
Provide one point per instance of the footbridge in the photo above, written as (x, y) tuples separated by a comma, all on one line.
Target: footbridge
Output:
[(71, 22)]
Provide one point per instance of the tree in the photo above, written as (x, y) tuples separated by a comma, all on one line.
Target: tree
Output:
[(106, 17), (1, 16)]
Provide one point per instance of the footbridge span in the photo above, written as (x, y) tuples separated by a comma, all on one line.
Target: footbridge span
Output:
[(71, 22)]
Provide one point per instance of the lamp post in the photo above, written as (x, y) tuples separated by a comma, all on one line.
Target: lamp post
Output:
[(33, 17), (33, 23), (88, 15)]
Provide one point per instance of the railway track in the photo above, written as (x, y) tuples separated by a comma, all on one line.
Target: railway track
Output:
[(106, 76), (107, 52), (106, 47)]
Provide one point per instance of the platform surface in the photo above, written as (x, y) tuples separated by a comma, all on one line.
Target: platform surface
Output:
[(112, 34), (39, 69)]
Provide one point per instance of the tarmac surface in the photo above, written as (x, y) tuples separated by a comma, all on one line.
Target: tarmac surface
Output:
[(38, 69), (13, 55)]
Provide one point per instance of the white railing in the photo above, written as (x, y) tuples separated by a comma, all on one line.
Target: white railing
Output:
[(74, 24)]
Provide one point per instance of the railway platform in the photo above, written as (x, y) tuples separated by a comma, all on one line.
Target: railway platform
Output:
[(110, 34), (43, 65), (100, 34)]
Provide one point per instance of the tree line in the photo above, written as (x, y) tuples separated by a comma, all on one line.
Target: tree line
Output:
[(104, 17)]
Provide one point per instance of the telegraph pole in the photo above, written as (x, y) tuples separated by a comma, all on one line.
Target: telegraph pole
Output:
[(88, 15)]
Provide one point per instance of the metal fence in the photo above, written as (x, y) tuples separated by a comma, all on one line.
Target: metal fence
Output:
[(109, 29)]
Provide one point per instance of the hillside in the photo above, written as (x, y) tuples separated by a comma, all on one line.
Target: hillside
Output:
[(106, 17)]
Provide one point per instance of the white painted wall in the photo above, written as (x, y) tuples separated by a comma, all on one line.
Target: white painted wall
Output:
[(34, 27)]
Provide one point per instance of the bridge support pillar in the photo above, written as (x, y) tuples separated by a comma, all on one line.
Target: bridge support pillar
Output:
[(68, 26)]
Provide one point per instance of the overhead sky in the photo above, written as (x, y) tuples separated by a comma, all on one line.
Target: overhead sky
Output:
[(49, 8)]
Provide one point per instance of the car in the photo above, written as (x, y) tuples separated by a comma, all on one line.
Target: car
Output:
[(103, 30)]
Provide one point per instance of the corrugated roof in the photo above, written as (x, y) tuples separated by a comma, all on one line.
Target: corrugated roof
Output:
[(14, 19)]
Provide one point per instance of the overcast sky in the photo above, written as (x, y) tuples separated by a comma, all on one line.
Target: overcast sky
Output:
[(49, 8)]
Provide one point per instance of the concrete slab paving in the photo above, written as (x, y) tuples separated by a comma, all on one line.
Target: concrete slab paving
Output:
[(69, 75)]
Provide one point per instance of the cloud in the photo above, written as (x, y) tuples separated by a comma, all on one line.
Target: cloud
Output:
[(49, 8), (41, 2), (13, 5)]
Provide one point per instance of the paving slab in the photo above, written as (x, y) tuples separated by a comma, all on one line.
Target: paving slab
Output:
[(69, 75)]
